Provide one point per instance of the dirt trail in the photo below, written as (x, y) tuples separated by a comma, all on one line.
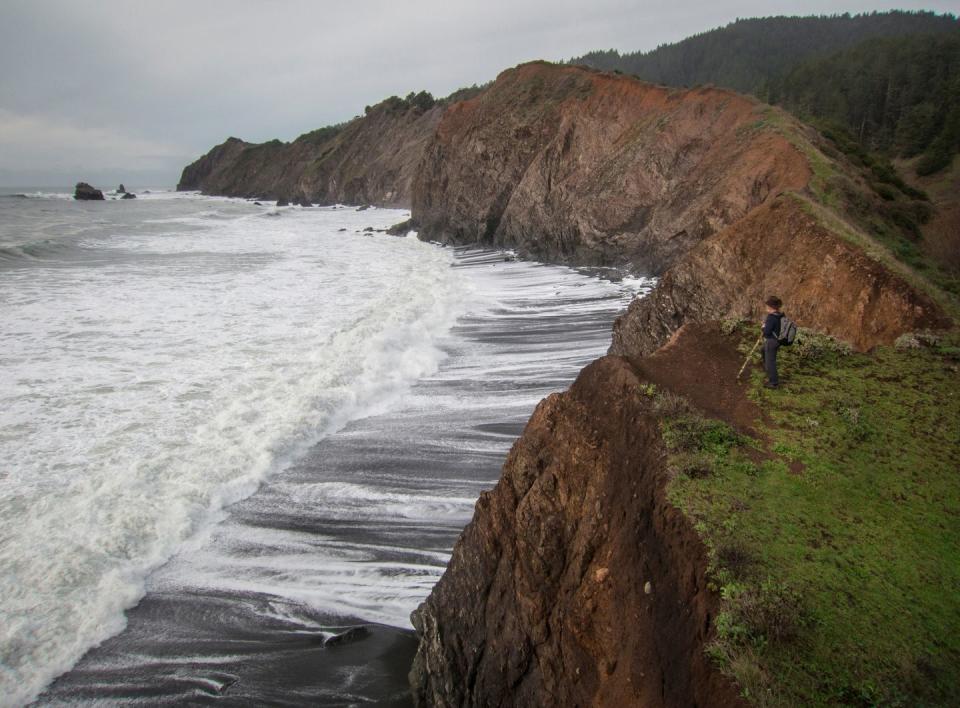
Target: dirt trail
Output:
[(700, 363)]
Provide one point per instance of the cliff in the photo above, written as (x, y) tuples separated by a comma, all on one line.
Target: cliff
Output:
[(634, 551), (370, 160), (572, 165), (782, 247), (657, 537), (576, 583)]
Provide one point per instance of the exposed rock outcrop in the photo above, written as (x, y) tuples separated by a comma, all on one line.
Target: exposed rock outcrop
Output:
[(827, 283), (371, 159), (568, 164), (85, 192), (578, 582), (543, 603)]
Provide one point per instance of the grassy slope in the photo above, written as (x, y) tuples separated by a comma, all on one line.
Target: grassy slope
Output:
[(835, 532), (835, 529), (861, 198)]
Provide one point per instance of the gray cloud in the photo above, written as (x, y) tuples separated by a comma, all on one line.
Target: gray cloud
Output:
[(137, 89)]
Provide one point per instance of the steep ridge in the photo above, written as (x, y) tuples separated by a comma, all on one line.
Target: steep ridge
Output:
[(568, 164), (370, 160), (546, 600), (576, 583), (830, 285)]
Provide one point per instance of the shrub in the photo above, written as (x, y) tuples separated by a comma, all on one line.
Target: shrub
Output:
[(813, 345), (694, 433), (423, 100), (917, 340), (885, 192), (695, 465), (669, 404), (734, 556), (907, 341), (934, 159), (728, 326), (771, 611), (856, 422)]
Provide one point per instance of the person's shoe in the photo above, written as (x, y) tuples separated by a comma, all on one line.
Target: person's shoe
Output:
[(771, 385)]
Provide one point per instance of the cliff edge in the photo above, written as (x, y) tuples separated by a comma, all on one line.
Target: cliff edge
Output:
[(664, 534), (572, 165), (633, 552), (576, 583), (369, 160)]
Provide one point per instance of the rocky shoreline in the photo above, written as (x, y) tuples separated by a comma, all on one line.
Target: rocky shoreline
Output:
[(578, 581)]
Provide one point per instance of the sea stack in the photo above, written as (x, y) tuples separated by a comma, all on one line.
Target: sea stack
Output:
[(85, 192)]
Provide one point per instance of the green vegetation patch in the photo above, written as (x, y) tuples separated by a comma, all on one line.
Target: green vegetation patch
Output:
[(834, 534)]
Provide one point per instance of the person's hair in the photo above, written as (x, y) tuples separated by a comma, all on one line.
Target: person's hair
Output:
[(774, 302)]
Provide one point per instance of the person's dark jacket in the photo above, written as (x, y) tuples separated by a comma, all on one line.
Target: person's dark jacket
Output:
[(771, 326)]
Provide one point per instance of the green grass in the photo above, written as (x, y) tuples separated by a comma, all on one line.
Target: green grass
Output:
[(835, 534), (885, 213)]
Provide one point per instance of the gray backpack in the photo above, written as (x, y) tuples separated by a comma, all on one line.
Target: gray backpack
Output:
[(788, 331)]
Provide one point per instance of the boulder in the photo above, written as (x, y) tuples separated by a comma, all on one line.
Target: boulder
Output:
[(283, 201), (85, 192), (129, 195), (402, 229), (353, 634), (121, 189)]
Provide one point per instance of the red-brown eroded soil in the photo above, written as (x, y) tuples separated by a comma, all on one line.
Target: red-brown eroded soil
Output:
[(569, 164), (545, 601)]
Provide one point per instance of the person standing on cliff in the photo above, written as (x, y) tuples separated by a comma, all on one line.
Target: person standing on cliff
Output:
[(771, 340)]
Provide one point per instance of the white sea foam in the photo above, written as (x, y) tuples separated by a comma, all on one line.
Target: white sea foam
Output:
[(162, 358), (167, 378)]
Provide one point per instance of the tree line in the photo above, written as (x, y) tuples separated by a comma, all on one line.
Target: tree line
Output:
[(888, 79)]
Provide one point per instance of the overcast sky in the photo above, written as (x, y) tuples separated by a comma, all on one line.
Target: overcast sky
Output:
[(133, 91)]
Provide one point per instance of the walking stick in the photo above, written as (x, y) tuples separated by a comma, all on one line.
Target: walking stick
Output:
[(747, 360)]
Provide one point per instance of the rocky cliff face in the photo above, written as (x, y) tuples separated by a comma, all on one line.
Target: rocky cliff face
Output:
[(783, 247), (568, 164), (370, 160), (576, 583)]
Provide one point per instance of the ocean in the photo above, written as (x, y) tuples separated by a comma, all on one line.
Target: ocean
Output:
[(238, 442)]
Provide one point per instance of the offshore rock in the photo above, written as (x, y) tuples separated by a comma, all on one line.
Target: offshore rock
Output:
[(85, 192)]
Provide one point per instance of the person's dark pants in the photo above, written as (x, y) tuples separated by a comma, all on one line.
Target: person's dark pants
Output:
[(770, 346)]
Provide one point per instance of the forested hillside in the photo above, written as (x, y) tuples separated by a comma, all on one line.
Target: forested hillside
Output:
[(896, 95), (890, 79)]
